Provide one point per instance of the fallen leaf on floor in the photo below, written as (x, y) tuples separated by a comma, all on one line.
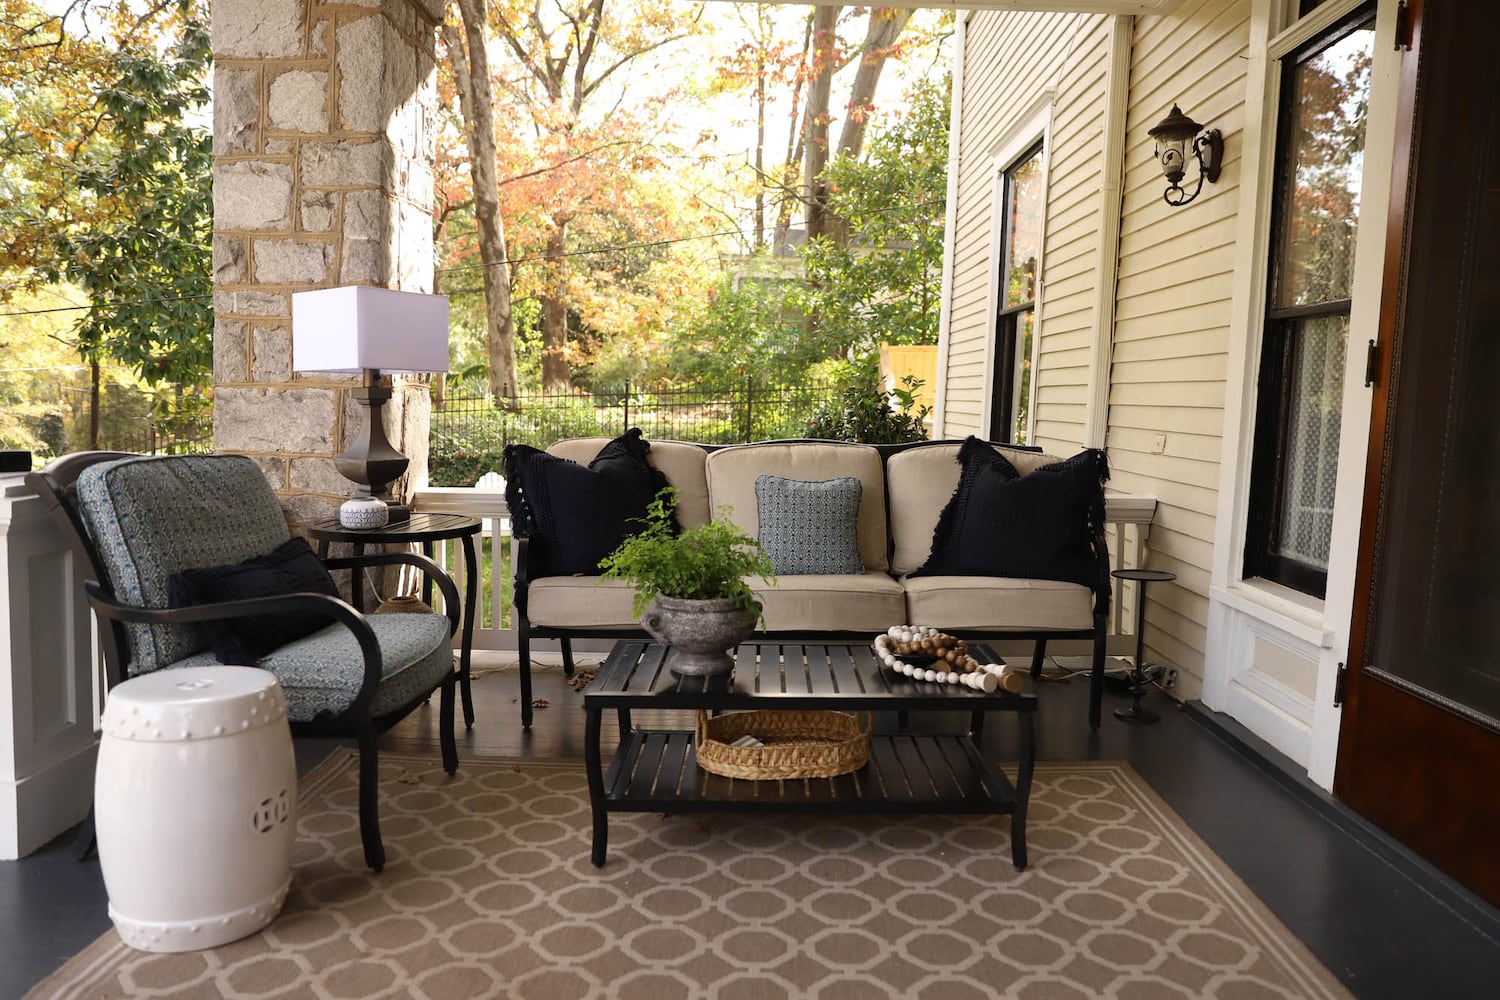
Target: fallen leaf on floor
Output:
[(581, 679), (540, 703)]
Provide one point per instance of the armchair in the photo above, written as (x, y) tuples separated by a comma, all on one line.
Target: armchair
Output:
[(135, 520)]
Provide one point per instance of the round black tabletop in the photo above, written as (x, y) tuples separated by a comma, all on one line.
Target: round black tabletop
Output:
[(421, 528), (1144, 575)]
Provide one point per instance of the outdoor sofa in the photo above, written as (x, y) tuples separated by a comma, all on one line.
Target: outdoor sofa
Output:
[(1019, 553)]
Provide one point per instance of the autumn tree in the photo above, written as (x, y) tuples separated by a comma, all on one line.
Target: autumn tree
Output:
[(574, 157), (468, 58)]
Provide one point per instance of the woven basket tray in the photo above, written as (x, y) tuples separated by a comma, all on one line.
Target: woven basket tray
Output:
[(798, 744)]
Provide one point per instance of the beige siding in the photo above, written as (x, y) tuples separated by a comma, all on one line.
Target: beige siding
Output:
[(1011, 59), (1166, 397), (1173, 296)]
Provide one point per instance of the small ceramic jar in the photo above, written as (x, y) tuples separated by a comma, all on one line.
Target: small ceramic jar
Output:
[(364, 512)]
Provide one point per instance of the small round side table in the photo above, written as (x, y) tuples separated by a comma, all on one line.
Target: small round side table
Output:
[(1135, 713)]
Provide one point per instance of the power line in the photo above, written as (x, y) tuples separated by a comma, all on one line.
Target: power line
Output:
[(468, 267)]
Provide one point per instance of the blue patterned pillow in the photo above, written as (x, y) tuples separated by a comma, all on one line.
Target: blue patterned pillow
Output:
[(809, 527)]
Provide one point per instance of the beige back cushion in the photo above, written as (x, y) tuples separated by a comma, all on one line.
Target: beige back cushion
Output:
[(680, 462), (731, 483), (922, 481)]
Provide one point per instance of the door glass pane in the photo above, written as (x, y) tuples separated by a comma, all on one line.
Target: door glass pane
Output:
[(1312, 441), (1328, 101), (1024, 236), (1436, 621)]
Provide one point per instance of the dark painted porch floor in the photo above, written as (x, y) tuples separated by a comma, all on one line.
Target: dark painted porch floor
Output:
[(1381, 921)]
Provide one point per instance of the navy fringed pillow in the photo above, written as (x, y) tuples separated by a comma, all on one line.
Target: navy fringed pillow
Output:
[(1038, 526), (292, 568), (580, 514)]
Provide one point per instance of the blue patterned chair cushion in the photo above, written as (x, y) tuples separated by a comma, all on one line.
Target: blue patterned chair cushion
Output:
[(323, 672), (809, 527), (151, 517)]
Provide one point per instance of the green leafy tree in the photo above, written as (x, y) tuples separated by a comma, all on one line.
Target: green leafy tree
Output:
[(146, 266), (883, 284)]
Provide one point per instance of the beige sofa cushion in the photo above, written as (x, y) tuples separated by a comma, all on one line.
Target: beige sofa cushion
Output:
[(998, 603), (922, 481), (857, 602), (731, 483), (679, 461), (580, 602)]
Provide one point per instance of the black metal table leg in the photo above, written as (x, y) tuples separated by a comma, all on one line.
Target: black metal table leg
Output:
[(595, 768), (471, 608), (1138, 686), (1023, 790)]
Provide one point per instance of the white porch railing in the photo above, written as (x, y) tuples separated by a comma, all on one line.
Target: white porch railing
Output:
[(1128, 518)]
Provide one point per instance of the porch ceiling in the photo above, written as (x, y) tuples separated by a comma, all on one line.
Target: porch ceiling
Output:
[(1063, 6)]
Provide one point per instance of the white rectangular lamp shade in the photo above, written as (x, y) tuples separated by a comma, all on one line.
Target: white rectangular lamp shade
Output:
[(357, 327)]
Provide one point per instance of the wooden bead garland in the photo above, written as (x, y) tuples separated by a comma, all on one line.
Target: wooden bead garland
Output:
[(954, 664)]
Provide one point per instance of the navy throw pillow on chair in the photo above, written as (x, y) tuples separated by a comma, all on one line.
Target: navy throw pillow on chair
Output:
[(579, 513), (292, 568), (809, 527), (1038, 526)]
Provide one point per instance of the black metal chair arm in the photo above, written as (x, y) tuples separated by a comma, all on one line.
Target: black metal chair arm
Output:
[(430, 569), (520, 569), (332, 608)]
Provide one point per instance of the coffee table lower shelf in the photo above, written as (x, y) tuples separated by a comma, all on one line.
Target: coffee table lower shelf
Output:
[(657, 771)]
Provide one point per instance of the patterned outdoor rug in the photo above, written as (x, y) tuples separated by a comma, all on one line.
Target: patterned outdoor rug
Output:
[(489, 892)]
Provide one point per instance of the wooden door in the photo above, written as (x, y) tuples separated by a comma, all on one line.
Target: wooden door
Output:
[(1419, 745)]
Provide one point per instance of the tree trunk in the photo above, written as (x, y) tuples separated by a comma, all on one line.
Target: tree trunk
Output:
[(473, 76), (556, 377), (886, 25), (94, 403), (817, 116), (792, 168)]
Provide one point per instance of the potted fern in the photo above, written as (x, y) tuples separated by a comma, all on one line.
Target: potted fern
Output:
[(690, 589)]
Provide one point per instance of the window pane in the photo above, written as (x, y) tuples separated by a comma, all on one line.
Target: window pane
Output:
[(1024, 229), (1024, 324), (1312, 443), (1328, 100)]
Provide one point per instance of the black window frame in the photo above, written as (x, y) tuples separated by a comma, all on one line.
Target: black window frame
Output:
[(1267, 496), (1005, 406)]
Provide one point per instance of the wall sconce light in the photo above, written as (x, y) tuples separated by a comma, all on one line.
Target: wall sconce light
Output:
[(1175, 135)]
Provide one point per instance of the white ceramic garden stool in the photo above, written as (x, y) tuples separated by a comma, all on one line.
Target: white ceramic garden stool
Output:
[(194, 799)]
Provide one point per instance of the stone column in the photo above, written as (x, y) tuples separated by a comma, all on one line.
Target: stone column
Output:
[(323, 152)]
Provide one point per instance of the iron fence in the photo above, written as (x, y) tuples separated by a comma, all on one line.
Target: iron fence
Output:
[(468, 433)]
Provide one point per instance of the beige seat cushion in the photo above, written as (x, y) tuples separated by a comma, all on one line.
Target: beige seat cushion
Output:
[(679, 461), (921, 482), (859, 602), (580, 602), (732, 473), (998, 603)]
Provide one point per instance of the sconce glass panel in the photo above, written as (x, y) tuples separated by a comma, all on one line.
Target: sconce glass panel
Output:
[(1328, 102)]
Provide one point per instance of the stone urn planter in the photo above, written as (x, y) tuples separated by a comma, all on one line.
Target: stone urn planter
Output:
[(700, 633)]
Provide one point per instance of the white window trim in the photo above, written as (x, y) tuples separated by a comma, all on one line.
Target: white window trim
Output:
[(1032, 126), (1322, 625)]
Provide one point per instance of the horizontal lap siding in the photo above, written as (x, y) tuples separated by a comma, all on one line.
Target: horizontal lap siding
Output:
[(1167, 376), (1070, 258), (1009, 60)]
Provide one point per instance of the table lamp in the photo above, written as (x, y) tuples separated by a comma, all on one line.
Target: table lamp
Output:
[(372, 331)]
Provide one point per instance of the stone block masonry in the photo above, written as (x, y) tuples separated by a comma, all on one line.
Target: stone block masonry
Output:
[(323, 157)]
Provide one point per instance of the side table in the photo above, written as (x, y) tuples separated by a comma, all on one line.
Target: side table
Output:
[(425, 529), (1135, 713)]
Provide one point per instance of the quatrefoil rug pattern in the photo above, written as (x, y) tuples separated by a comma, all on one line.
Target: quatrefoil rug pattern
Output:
[(489, 892)]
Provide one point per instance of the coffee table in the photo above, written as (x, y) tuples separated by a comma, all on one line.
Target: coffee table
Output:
[(656, 770)]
